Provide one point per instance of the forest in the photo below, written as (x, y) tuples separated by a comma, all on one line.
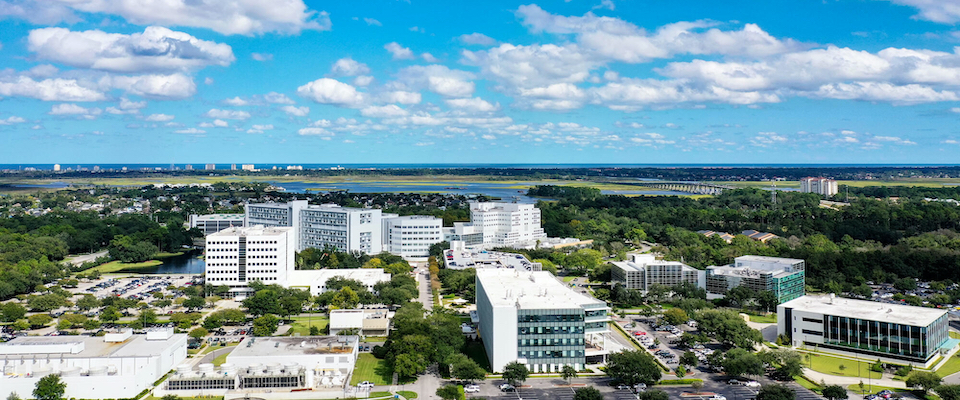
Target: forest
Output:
[(871, 239)]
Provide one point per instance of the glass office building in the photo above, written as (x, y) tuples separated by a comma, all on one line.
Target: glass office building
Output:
[(784, 277)]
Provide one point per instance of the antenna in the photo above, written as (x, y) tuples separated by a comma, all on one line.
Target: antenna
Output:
[(773, 193)]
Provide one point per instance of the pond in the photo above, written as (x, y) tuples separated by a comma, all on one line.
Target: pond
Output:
[(188, 263)]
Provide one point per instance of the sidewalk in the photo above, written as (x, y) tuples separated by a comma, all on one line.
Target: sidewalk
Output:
[(850, 380)]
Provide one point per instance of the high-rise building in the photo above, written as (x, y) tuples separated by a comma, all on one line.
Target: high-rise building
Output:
[(248, 167), (213, 223), (644, 271), (822, 186), (188, 167), (210, 167), (347, 229), (56, 167), (505, 224), (534, 319), (233, 167), (784, 277), (411, 235), (894, 333)]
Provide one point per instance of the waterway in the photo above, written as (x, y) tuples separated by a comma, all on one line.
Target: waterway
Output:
[(504, 191), (188, 263)]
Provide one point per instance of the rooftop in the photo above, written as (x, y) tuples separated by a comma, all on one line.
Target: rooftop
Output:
[(256, 230), (307, 276), (864, 309), (220, 217), (530, 290), (294, 346), (467, 258), (88, 346), (767, 259)]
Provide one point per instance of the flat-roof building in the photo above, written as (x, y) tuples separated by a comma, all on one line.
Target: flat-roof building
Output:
[(316, 279), (534, 319), (819, 185), (114, 366), (784, 277), (213, 223), (895, 333), (364, 321), (411, 235), (505, 224), (460, 257), (644, 271)]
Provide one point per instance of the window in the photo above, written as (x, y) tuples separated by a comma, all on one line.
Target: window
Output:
[(809, 332)]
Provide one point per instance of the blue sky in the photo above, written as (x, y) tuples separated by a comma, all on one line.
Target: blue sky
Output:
[(581, 81)]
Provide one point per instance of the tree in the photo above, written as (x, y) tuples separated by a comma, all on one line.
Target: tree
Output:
[(265, 325), (631, 367), (766, 300), (837, 392), (776, 392), (568, 372), (147, 317), (345, 298), (515, 373), (46, 302), (198, 333), (194, 302), (738, 362), (49, 387), (697, 385), (681, 371), (170, 397), (949, 392), (587, 393), (39, 320), (690, 359), (448, 392), (264, 301), (409, 365), (727, 327), (924, 380), (88, 302), (12, 311), (653, 395), (109, 314), (675, 316), (14, 396), (465, 369)]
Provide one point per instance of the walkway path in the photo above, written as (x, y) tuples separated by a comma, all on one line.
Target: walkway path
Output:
[(850, 380), (80, 259)]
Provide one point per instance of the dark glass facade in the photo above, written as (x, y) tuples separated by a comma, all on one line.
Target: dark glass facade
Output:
[(551, 336), (885, 338)]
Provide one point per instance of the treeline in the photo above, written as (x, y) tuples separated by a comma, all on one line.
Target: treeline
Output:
[(564, 192), (911, 192), (869, 240)]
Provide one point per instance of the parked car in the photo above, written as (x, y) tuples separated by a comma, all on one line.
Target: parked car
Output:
[(506, 387), (365, 385), (471, 388), (753, 384)]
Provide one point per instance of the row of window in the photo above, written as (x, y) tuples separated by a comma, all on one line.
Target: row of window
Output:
[(551, 353), (550, 318), (222, 257), (549, 330), (266, 278), (551, 342)]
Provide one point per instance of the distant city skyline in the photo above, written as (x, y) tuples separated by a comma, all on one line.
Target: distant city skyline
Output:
[(393, 82)]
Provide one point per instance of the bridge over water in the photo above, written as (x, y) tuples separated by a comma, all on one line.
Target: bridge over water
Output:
[(681, 186)]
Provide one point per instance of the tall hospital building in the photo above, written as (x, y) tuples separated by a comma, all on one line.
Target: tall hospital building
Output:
[(345, 228)]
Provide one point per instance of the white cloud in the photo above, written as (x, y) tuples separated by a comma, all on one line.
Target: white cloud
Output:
[(489, 137), (421, 144), (159, 117), (767, 139), (227, 114), (632, 93), (296, 111), (261, 56), (608, 4), (43, 71), (477, 38), (127, 107), (362, 80), (49, 89), (475, 104), (278, 98), (331, 91), (192, 131), (387, 111), (73, 109), (400, 96), (236, 101), (348, 67), (882, 91), (942, 11), (955, 109), (259, 128), (372, 22), (399, 52), (314, 131), (164, 87), (208, 80), (217, 123), (12, 120), (429, 58), (436, 78), (156, 49), (229, 17), (417, 29), (950, 141)]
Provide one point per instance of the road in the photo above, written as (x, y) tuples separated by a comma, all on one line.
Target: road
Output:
[(80, 259), (423, 282)]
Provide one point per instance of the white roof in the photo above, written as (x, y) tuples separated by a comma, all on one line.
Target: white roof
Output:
[(28, 347), (256, 230), (220, 217), (864, 309), (368, 276), (294, 346), (346, 319), (768, 259), (530, 290)]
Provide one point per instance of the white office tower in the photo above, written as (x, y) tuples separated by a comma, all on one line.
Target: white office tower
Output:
[(823, 186), (275, 214), (505, 224), (347, 229), (534, 319), (240, 255), (412, 235), (644, 271)]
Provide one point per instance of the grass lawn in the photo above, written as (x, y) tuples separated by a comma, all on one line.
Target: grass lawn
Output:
[(476, 352), (189, 398), (117, 266), (210, 348), (831, 365), (764, 319), (810, 385), (954, 335), (374, 339), (407, 394), (218, 360), (302, 325), (952, 366), (380, 394), (369, 368)]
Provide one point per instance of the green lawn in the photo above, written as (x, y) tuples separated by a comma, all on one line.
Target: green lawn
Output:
[(369, 368), (764, 319), (117, 266), (952, 366), (810, 385), (831, 365), (874, 389), (954, 335), (476, 352), (380, 394), (407, 394), (219, 360), (163, 254), (210, 348), (302, 325)]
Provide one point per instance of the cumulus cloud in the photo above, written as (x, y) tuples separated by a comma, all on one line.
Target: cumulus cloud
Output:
[(475, 104), (400, 96), (48, 89), (348, 67), (227, 114), (156, 49), (229, 17), (277, 98), (362, 80), (477, 38), (236, 101), (159, 117), (387, 111), (72, 109), (127, 107), (314, 131), (217, 123), (331, 91), (372, 22), (261, 56), (429, 58), (192, 131), (399, 52), (162, 87), (296, 111), (260, 128), (12, 120), (436, 78), (942, 11)]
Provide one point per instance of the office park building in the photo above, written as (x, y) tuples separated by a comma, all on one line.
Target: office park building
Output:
[(534, 319), (894, 333), (784, 277), (644, 271)]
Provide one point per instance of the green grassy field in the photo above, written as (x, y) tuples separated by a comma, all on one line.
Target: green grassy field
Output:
[(764, 319), (926, 182), (831, 365), (952, 366), (302, 325), (369, 368), (210, 348), (407, 394), (219, 360), (117, 266)]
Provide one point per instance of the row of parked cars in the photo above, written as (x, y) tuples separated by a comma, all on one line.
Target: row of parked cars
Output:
[(882, 395)]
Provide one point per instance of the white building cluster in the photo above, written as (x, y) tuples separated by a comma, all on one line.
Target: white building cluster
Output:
[(822, 186), (644, 271)]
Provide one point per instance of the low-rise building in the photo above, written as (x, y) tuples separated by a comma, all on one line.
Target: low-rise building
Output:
[(363, 321), (784, 277), (894, 333), (213, 223), (534, 319), (114, 366), (644, 271), (315, 280), (459, 257)]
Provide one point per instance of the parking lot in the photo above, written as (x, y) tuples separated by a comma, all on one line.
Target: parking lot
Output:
[(552, 388)]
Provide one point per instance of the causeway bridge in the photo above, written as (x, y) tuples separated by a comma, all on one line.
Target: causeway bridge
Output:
[(682, 186)]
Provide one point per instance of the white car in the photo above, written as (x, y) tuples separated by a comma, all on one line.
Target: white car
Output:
[(365, 385), (753, 384), (474, 388), (717, 397)]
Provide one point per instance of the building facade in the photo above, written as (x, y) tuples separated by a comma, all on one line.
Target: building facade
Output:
[(644, 271), (784, 277), (469, 234), (240, 255), (347, 229), (213, 223), (274, 214), (505, 224), (822, 186), (412, 235), (532, 318), (894, 333)]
